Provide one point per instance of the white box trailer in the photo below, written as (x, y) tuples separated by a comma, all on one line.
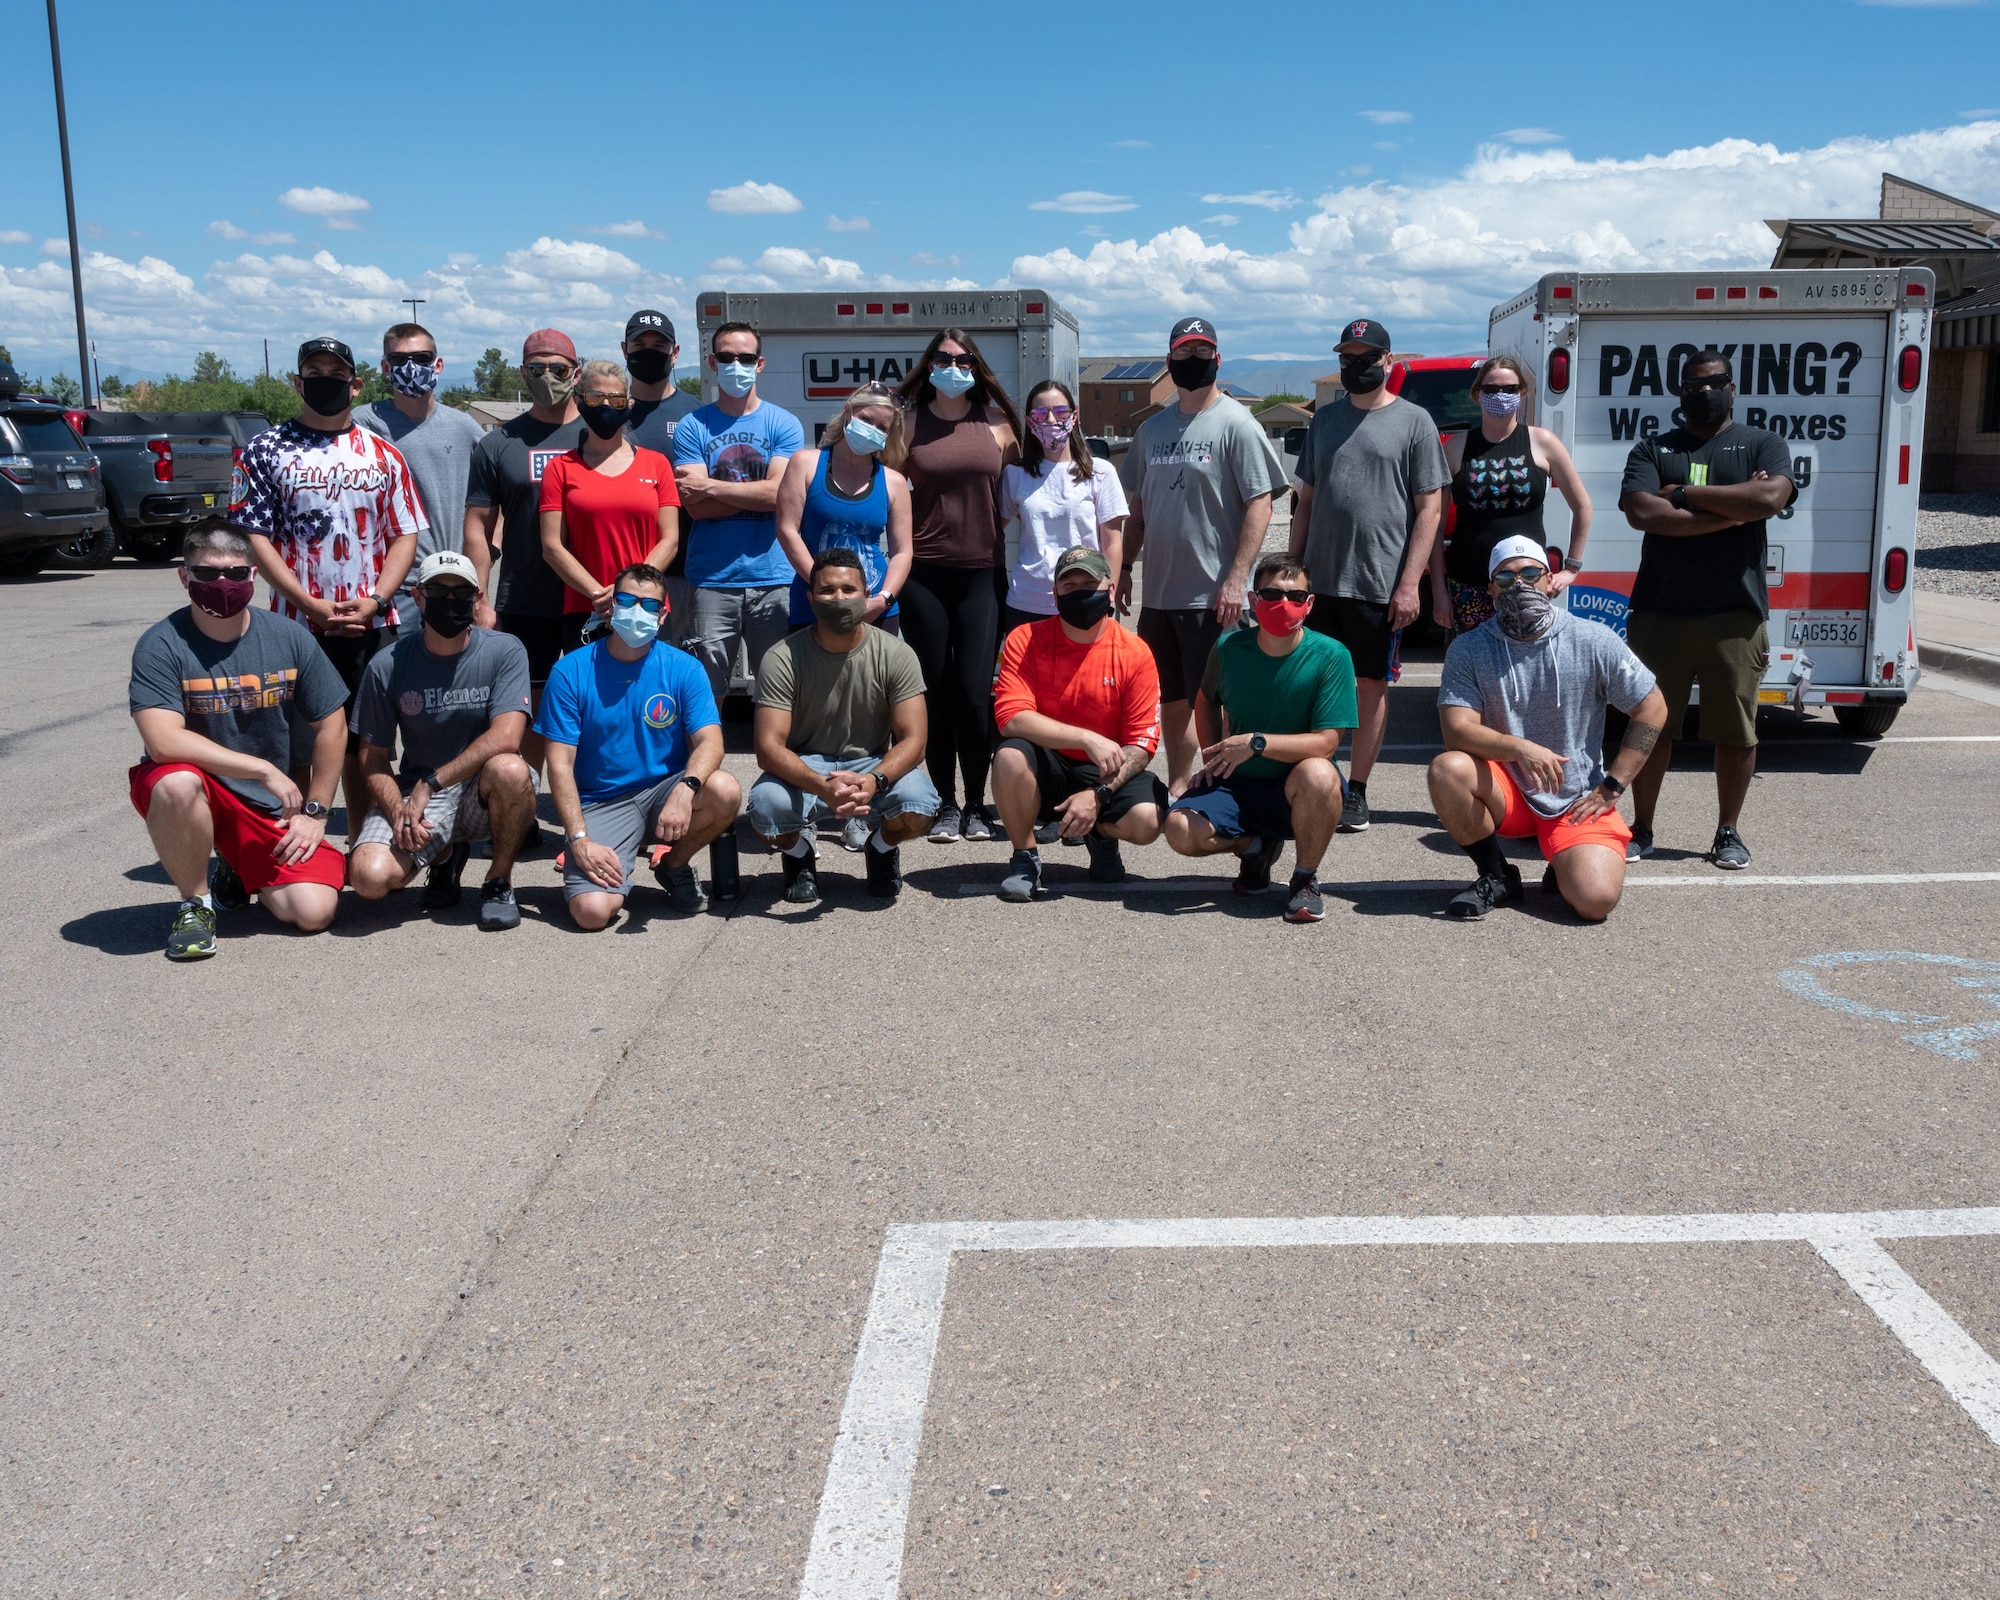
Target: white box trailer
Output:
[(1835, 362)]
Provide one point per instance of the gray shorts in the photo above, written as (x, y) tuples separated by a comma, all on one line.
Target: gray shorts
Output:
[(776, 808), (624, 824), (457, 815)]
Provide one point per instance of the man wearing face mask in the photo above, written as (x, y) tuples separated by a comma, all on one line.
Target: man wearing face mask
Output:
[(1372, 476), (1272, 706), (1701, 493), (1198, 479), (1078, 707), (635, 758), (1522, 708), (657, 407), (840, 728), (458, 695), (436, 441), (216, 691)]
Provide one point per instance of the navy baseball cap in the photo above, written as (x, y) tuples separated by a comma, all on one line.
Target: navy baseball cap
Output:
[(1362, 331), (650, 322), (326, 344), (1193, 328)]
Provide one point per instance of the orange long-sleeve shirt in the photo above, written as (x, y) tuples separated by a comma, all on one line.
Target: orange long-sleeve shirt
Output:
[(1109, 686)]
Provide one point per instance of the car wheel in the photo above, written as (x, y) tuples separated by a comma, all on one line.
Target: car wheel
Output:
[(91, 551), (1868, 721), (23, 563), (154, 545)]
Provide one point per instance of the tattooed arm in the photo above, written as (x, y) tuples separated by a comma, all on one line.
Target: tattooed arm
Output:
[(1642, 734)]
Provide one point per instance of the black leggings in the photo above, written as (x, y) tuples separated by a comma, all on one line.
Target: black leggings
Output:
[(951, 618)]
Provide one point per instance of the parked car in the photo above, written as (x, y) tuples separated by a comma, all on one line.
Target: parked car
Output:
[(164, 472), (51, 492), (1442, 385)]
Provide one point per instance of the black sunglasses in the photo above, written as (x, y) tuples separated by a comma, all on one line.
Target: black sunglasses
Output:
[(550, 369), (1715, 380), (1499, 388), (447, 591), (1283, 594), (423, 358), (943, 360), (1507, 580), (218, 574), (742, 358), (650, 604)]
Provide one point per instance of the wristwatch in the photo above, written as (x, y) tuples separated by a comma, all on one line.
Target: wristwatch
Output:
[(1257, 742), (1571, 564), (881, 783), (1103, 793), (381, 605), (1611, 786), (581, 833), (1679, 498), (691, 781), (314, 810)]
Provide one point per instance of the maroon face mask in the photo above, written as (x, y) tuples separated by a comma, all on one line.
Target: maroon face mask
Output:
[(222, 597)]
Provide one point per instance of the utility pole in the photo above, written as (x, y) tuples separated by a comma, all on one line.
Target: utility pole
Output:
[(267, 358), (69, 203), (411, 303)]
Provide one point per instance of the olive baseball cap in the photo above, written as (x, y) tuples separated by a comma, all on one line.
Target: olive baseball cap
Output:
[(1081, 558)]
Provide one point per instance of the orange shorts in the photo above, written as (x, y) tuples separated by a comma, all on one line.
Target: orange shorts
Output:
[(1555, 834), (244, 836)]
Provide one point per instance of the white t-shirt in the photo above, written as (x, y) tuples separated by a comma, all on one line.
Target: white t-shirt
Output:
[(1055, 512)]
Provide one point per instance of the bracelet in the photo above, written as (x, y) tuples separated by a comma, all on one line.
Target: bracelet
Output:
[(581, 833), (1571, 564)]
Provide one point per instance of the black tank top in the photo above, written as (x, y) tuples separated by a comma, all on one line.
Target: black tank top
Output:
[(1496, 493)]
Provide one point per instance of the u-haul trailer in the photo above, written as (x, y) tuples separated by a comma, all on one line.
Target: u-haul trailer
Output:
[(1834, 362)]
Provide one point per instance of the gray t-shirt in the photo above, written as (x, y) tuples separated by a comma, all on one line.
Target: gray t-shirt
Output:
[(1190, 477), (439, 452), (439, 704), (1552, 691), (1363, 468)]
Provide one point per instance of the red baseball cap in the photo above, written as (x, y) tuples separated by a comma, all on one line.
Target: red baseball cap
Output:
[(548, 342)]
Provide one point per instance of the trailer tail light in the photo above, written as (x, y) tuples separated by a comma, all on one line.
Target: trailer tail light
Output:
[(1707, 293), (1909, 369), (1558, 372), (163, 459), (1914, 290), (711, 311), (874, 308), (1766, 291), (1034, 308), (1562, 291), (1737, 291), (899, 308), (844, 309), (1896, 570)]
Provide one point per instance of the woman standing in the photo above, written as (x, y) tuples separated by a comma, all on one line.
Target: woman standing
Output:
[(851, 493), (1063, 496), (605, 504), (1500, 476), (962, 433)]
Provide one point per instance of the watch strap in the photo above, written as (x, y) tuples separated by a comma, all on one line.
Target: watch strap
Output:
[(691, 781)]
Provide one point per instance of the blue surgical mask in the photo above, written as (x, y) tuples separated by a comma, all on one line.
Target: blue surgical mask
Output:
[(864, 439), (413, 378), (951, 381), (635, 625), (737, 378)]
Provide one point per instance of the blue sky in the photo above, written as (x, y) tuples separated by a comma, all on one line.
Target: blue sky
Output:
[(1278, 169)]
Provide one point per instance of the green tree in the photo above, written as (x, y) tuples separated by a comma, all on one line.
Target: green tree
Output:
[(690, 386), (112, 387), (495, 377), (1279, 399), (211, 368), (64, 389), (6, 355)]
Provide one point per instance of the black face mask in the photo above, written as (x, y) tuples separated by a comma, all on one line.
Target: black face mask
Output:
[(450, 616), (1707, 408), (1362, 374), (325, 395), (602, 420), (1084, 608), (648, 366), (1194, 372)]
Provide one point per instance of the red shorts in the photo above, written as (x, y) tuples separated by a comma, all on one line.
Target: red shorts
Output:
[(1555, 834), (244, 836)]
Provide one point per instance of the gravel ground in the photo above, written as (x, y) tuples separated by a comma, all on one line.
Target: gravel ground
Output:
[(1958, 544)]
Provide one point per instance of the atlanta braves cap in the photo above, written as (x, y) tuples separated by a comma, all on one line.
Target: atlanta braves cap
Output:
[(1362, 331), (326, 344), (1192, 328), (649, 322)]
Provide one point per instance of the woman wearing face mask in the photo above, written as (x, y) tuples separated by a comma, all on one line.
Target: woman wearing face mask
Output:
[(1063, 496), (963, 432), (850, 493), (606, 504), (1500, 476)]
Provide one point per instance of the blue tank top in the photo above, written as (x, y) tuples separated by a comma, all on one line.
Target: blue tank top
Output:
[(831, 520)]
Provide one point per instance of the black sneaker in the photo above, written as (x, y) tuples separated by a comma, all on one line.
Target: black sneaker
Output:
[(801, 880), (497, 911), (1049, 832), (1549, 884), (976, 826), (1024, 877), (192, 936), (1485, 892), (944, 829), (442, 890), (1354, 811), (1253, 871), (1305, 904), (1106, 864), (885, 872), (226, 888), (1729, 852), (683, 886), (1640, 845)]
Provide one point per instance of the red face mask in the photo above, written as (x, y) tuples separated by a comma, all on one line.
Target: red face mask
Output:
[(1283, 617)]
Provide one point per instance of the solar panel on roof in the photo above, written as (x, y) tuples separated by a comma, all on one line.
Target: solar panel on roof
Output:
[(1133, 370)]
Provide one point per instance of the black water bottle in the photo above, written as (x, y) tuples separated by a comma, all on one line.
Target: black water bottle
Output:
[(724, 879)]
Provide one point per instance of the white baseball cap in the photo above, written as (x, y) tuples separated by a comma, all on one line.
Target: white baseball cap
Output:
[(1510, 549), (447, 564)]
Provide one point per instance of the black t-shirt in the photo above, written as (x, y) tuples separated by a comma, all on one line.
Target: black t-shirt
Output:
[(507, 472), (652, 428), (1714, 572)]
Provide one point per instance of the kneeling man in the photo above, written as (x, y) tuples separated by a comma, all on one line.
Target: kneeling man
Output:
[(1286, 694), (1522, 707), (840, 728), (1078, 707), (459, 697)]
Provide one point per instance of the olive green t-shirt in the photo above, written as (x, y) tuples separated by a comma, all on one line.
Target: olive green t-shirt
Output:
[(840, 704)]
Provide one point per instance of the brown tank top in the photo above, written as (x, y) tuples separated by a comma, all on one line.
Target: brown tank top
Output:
[(954, 487)]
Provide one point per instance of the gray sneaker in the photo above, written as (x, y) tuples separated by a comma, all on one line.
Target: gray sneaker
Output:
[(1024, 877), (684, 885), (1729, 852), (854, 836), (1354, 812), (944, 830), (497, 911), (1640, 845), (977, 826)]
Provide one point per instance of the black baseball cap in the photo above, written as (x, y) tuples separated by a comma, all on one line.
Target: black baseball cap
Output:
[(326, 344), (649, 322), (1362, 331), (1192, 328)]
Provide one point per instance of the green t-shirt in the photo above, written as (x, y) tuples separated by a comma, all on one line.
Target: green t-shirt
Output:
[(840, 704), (1307, 691)]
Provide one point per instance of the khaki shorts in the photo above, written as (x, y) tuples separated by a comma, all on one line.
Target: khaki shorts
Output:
[(1725, 653)]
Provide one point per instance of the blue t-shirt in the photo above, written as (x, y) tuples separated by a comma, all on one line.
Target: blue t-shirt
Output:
[(629, 720), (736, 552)]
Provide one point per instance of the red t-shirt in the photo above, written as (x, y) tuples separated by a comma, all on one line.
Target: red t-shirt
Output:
[(1109, 686), (608, 522)]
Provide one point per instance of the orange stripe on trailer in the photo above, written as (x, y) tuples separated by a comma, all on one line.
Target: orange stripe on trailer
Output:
[(1801, 591)]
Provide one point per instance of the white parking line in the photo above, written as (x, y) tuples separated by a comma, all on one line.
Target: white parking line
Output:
[(857, 1544), (1216, 884)]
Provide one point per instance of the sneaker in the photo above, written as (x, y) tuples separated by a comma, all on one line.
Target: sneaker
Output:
[(1640, 845), (192, 936), (1024, 877), (1485, 892), (1049, 832), (801, 880), (977, 826), (1549, 884), (1305, 904), (1729, 852), (885, 873), (683, 884), (441, 888), (945, 829), (1253, 872), (497, 911), (1354, 812), (854, 836), (226, 888), (1106, 864)]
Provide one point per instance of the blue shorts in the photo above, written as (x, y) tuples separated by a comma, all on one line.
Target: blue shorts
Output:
[(1238, 806)]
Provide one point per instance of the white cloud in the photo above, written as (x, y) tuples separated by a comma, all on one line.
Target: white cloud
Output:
[(1981, 114), (1384, 118), (754, 200), (15, 236), (923, 258), (628, 230), (1086, 202), (229, 230), (850, 225), (1268, 199), (1222, 219), (331, 206), (56, 248), (1532, 136), (1387, 144)]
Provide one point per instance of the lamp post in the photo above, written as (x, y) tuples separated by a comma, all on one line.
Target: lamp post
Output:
[(69, 204)]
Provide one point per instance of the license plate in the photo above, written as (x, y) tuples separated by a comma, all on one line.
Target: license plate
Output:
[(72, 480), (208, 499), (1808, 628)]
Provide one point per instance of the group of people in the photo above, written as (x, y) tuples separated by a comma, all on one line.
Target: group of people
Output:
[(643, 539)]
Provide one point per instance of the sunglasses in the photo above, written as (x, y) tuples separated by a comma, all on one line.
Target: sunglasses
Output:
[(650, 604), (447, 591), (610, 402), (218, 574), (943, 360), (1276, 594), (1507, 580), (548, 369), (1715, 380), (1499, 388), (740, 358), (423, 358), (1050, 414)]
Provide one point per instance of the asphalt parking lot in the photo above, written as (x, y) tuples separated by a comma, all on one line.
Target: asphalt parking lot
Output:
[(411, 1260)]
